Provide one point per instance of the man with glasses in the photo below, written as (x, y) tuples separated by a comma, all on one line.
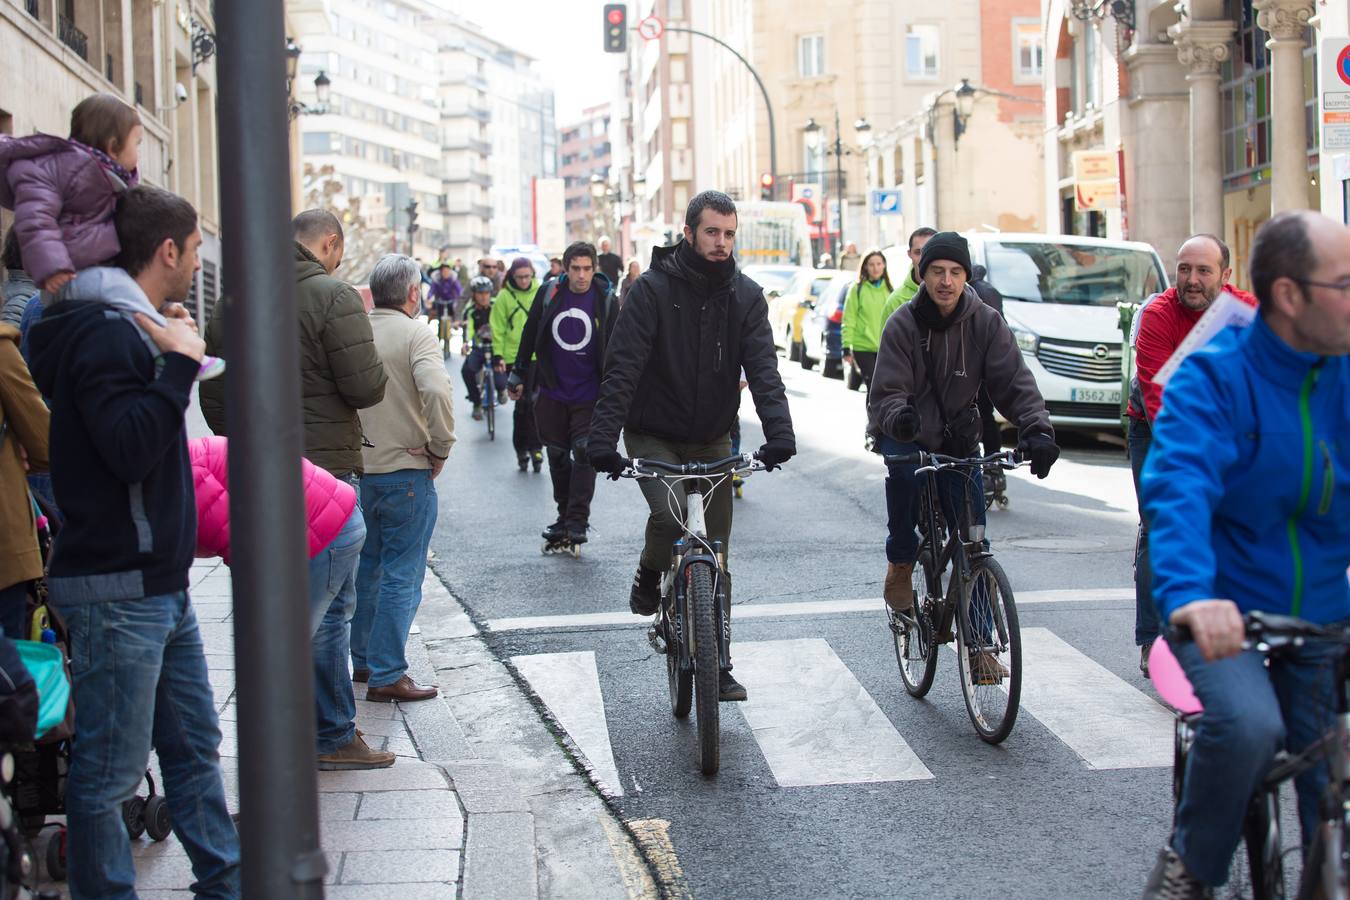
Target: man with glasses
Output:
[(1247, 493), (1162, 323)]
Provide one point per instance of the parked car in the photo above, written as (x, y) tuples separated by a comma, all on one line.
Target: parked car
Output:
[(822, 328), (787, 310), (774, 279), (1059, 296)]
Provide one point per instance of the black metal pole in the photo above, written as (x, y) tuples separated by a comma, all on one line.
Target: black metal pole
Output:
[(839, 183), (278, 786), (768, 106)]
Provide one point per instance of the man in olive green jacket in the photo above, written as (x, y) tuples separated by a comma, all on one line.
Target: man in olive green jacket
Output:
[(340, 371)]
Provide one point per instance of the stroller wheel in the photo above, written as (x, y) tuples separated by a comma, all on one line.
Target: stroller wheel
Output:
[(133, 816), (56, 855), (158, 823)]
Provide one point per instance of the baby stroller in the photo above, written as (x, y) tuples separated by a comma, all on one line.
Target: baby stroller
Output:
[(35, 755)]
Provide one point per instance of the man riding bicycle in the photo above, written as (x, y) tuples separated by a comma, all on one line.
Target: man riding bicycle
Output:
[(443, 294), (690, 323), (477, 337), (936, 351), (1247, 494)]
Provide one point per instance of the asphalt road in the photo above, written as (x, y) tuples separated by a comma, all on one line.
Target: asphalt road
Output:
[(834, 782)]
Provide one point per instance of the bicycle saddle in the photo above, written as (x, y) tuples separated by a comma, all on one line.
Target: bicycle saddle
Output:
[(1170, 681)]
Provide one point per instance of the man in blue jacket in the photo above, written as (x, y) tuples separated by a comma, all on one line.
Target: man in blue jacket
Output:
[(1247, 491), (119, 568)]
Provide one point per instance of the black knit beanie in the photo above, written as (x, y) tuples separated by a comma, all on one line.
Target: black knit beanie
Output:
[(946, 245)]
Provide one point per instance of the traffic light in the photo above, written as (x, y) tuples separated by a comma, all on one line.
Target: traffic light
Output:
[(616, 28), (766, 186), (412, 216)]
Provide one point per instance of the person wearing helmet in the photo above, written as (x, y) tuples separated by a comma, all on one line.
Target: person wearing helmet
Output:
[(477, 339)]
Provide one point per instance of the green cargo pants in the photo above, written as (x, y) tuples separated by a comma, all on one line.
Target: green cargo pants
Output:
[(664, 525)]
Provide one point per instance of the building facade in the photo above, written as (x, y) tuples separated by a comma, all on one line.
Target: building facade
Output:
[(584, 154), (1210, 107), (154, 54)]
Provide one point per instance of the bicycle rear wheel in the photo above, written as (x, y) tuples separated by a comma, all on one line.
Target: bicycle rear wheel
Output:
[(490, 408), (989, 652), (707, 664), (915, 648), (679, 678)]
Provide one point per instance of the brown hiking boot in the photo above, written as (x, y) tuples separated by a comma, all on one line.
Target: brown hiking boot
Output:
[(985, 669), (356, 754), (899, 589)]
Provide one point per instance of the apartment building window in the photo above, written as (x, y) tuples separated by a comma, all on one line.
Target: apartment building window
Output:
[(1028, 51), (921, 51), (811, 55)]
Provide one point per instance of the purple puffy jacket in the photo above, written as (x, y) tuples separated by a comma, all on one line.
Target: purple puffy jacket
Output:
[(63, 200)]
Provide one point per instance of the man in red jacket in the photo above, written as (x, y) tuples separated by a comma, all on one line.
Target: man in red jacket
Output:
[(1162, 323)]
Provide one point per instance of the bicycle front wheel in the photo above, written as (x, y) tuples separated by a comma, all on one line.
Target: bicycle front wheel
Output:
[(707, 664), (490, 409), (915, 648), (989, 652)]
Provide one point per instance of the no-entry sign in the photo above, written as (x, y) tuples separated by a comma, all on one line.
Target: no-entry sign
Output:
[(651, 28)]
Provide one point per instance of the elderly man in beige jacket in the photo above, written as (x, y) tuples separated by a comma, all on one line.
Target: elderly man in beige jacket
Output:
[(408, 437)]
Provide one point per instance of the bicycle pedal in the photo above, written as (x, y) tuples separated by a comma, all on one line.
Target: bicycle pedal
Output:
[(656, 640)]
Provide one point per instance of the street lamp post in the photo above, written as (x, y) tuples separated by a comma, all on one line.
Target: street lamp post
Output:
[(813, 141)]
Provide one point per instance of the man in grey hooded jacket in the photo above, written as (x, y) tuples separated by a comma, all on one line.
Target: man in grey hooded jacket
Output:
[(935, 353)]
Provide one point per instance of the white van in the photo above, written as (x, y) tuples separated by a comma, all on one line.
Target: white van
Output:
[(1059, 297)]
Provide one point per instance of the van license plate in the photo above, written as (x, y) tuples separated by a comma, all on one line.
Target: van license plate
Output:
[(1094, 395)]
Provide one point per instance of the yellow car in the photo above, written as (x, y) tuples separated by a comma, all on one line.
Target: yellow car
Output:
[(787, 310)]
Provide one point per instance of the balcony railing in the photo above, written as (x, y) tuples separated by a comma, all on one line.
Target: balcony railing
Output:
[(73, 37), (32, 7)]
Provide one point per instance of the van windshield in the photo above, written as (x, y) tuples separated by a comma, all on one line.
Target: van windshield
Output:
[(1078, 274)]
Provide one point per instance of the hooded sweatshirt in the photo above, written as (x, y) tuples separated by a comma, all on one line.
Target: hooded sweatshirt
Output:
[(970, 347), (510, 309), (119, 458)]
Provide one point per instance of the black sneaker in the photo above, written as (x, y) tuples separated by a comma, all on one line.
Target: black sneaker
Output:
[(555, 532), (728, 688), (1169, 880), (645, 597)]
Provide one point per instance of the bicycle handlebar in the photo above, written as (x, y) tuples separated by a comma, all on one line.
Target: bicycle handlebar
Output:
[(1007, 459), (652, 468), (1269, 631)]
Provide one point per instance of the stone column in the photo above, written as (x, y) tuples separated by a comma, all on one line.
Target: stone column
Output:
[(1202, 46), (1286, 21)]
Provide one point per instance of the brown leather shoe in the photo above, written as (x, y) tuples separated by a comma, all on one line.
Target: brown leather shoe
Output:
[(405, 690), (361, 675), (355, 754), (899, 589)]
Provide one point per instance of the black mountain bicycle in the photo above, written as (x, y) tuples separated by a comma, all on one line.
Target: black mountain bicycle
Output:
[(1257, 870), (692, 626), (976, 598)]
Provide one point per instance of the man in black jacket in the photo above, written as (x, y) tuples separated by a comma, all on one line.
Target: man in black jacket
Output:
[(119, 568), (566, 332), (690, 324)]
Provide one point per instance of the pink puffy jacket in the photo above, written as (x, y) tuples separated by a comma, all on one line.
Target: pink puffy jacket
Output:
[(328, 501)]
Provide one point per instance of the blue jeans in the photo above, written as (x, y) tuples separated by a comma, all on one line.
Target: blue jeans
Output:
[(1250, 713), (332, 603), (902, 500), (140, 682), (1146, 624), (400, 511)]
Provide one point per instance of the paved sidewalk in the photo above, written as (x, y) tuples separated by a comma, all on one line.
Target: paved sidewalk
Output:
[(443, 822)]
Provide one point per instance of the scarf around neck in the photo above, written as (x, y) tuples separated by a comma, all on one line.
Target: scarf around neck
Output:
[(927, 314), (129, 177)]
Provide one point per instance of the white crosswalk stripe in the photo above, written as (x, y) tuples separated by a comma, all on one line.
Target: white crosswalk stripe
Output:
[(816, 724), (1103, 719), (813, 721), (569, 685)]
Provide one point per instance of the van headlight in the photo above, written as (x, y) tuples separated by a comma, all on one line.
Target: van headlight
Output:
[(1027, 340)]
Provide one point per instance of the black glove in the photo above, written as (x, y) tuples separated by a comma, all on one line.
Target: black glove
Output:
[(606, 460), (1042, 450), (776, 452), (905, 423), (513, 380)]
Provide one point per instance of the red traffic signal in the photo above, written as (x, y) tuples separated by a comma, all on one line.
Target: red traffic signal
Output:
[(766, 186), (616, 28)]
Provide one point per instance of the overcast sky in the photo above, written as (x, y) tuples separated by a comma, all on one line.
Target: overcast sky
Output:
[(564, 36)]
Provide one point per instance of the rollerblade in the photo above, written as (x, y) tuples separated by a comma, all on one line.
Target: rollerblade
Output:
[(537, 458), (523, 460), (995, 487), (478, 412), (737, 488), (557, 542)]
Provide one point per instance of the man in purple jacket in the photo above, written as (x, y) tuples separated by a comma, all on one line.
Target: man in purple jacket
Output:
[(566, 331)]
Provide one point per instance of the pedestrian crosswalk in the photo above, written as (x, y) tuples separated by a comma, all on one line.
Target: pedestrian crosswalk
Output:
[(816, 724)]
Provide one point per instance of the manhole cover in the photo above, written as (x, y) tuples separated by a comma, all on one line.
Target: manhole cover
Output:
[(1060, 544)]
